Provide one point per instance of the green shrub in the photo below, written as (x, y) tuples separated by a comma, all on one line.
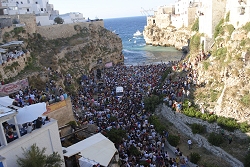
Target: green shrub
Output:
[(195, 157), (229, 124), (173, 140), (212, 118), (245, 100), (195, 42), (206, 65), (159, 127), (218, 29), (246, 27), (197, 128), (195, 26), (230, 29), (151, 102), (244, 127), (215, 139), (134, 151), (191, 112)]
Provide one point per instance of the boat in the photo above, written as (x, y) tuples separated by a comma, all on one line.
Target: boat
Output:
[(138, 33)]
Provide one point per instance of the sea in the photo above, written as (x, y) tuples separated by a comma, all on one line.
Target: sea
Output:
[(135, 50)]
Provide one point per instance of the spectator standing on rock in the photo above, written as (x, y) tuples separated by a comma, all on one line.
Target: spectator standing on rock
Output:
[(189, 144)]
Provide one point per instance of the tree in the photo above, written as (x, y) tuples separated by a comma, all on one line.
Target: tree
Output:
[(58, 20), (36, 157)]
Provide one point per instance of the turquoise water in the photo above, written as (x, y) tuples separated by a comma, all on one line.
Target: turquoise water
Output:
[(135, 50)]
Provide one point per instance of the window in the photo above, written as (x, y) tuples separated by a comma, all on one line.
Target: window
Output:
[(44, 9), (28, 10), (52, 9), (21, 2), (241, 10), (17, 2), (41, 9), (36, 2)]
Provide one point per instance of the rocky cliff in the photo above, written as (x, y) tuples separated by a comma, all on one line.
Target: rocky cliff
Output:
[(223, 78), (225, 74), (169, 36), (90, 48)]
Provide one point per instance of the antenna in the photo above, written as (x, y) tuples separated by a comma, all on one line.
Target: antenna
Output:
[(146, 12)]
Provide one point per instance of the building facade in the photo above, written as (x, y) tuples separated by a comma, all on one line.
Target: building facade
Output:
[(185, 13), (239, 12), (210, 14), (47, 136)]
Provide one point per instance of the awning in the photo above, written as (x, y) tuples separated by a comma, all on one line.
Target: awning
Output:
[(30, 113), (12, 43), (97, 148)]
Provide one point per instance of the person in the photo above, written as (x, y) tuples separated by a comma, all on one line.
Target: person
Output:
[(39, 122), (29, 128), (189, 144), (10, 136), (46, 120)]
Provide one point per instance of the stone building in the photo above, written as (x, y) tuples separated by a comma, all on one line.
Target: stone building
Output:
[(161, 17), (185, 13), (210, 14)]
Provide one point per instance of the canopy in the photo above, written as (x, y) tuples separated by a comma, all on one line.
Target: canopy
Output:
[(6, 101), (30, 113), (97, 148), (12, 43)]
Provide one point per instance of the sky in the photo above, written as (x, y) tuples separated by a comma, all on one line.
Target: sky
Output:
[(104, 9)]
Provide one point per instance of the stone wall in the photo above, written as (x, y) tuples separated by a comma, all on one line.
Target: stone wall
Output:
[(180, 121), (63, 30), (64, 114)]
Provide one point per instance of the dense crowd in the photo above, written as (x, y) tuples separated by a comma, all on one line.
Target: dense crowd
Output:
[(98, 103)]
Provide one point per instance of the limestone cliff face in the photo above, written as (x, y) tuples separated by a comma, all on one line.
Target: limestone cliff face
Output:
[(169, 36), (91, 47), (226, 75)]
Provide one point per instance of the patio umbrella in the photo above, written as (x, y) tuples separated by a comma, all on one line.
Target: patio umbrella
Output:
[(30, 113)]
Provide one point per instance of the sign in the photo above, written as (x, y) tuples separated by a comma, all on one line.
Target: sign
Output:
[(13, 87), (108, 65), (55, 106)]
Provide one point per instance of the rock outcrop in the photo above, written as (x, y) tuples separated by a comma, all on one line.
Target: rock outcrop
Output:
[(90, 47), (166, 37)]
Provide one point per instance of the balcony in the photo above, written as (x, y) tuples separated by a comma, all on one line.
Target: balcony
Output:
[(24, 5)]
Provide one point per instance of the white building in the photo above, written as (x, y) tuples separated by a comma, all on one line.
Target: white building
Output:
[(47, 136), (239, 12), (210, 14), (185, 13), (73, 17), (38, 7), (161, 17)]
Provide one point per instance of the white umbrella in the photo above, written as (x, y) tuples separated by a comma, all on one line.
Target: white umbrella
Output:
[(6, 101), (30, 113)]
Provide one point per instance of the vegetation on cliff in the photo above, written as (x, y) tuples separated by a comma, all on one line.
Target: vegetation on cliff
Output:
[(74, 55)]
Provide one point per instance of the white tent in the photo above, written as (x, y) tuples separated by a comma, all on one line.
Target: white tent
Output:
[(97, 148), (6, 101), (30, 113)]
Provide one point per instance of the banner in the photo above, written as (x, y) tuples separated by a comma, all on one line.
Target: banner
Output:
[(55, 106), (13, 87), (108, 65)]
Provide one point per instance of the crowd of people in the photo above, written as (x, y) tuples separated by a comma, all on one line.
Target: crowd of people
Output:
[(98, 104)]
